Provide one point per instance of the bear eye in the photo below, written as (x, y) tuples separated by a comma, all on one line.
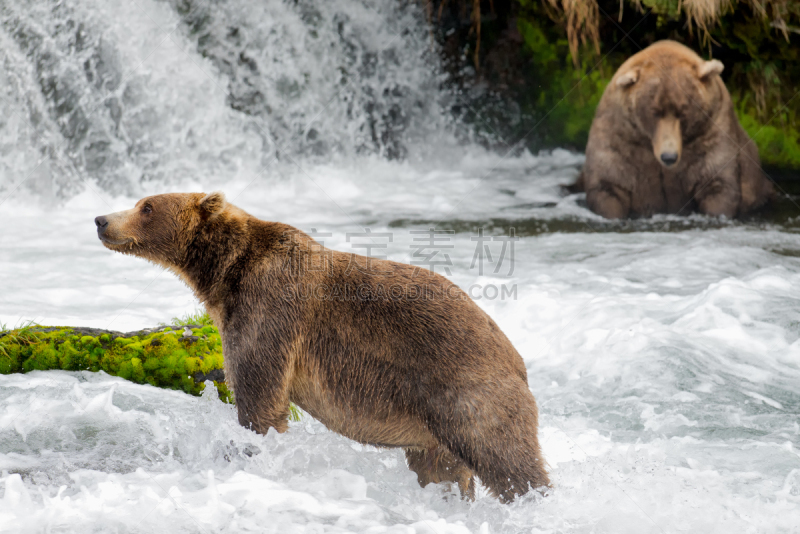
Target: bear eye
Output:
[(147, 209)]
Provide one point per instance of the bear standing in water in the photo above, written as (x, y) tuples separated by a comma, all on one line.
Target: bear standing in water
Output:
[(665, 139), (381, 352)]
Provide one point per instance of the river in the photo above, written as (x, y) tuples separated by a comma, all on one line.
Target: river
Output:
[(664, 354)]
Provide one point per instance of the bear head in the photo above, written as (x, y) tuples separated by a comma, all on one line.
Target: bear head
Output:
[(161, 227), (671, 95)]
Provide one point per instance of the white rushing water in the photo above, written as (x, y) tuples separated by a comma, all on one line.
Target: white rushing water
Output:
[(664, 355)]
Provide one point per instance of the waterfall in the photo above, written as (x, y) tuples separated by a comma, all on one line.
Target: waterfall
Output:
[(116, 95)]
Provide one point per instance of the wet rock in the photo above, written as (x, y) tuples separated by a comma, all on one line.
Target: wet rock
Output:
[(216, 375)]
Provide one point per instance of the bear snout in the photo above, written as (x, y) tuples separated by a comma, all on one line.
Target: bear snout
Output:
[(109, 230), (667, 141)]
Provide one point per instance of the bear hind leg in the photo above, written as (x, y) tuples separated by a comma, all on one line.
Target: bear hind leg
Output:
[(439, 465), (497, 440)]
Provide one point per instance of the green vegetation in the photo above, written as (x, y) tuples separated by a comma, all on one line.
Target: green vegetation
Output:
[(565, 105), (20, 335), (166, 357), (777, 145), (199, 317)]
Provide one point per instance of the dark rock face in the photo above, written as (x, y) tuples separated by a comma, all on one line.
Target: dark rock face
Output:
[(217, 375)]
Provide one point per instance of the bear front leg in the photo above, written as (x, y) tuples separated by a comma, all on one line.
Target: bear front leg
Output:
[(260, 417), (717, 196), (609, 200), (439, 465), (261, 389)]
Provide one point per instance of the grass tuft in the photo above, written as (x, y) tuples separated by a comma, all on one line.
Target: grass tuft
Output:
[(21, 335), (200, 317)]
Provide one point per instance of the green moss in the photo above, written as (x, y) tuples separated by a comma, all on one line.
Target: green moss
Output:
[(777, 145), (164, 358), (564, 105), (226, 395)]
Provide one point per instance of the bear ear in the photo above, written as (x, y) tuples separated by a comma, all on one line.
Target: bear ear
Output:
[(212, 203), (709, 68), (629, 78)]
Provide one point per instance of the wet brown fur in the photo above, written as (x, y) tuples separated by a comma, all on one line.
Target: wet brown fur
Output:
[(666, 96), (434, 375)]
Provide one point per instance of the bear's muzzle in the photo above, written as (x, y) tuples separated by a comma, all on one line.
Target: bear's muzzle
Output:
[(667, 142), (107, 233)]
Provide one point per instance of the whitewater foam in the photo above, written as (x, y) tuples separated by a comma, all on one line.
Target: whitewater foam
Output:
[(664, 354)]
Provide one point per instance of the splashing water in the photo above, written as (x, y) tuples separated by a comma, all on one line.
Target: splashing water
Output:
[(125, 94), (664, 354)]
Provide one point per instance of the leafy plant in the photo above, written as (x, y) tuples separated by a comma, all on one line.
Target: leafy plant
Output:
[(200, 317)]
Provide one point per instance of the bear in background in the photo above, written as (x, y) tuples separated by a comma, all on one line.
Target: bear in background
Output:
[(384, 353), (665, 139)]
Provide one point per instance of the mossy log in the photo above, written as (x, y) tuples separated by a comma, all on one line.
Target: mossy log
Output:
[(173, 357)]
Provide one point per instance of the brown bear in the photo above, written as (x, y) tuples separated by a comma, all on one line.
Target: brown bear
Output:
[(382, 352), (665, 139)]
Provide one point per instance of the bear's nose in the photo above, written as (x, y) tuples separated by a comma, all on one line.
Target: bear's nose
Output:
[(101, 222), (669, 158)]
